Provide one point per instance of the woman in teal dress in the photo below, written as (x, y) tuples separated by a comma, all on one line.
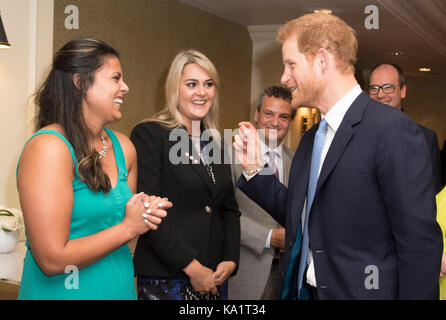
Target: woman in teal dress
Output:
[(77, 182)]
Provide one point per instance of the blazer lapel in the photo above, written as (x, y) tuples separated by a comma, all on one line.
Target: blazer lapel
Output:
[(218, 173), (338, 145), (286, 165), (199, 167), (192, 160), (201, 170), (343, 136), (300, 182)]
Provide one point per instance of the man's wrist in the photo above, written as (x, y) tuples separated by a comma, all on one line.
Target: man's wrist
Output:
[(268, 239), (251, 170)]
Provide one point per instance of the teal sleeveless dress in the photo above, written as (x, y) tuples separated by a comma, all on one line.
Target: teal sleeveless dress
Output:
[(109, 278)]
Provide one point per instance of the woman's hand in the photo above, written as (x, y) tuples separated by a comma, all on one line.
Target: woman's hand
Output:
[(155, 210), (224, 270), (133, 219), (201, 278), (143, 213)]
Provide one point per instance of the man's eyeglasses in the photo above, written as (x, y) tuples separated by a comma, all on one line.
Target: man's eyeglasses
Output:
[(386, 88)]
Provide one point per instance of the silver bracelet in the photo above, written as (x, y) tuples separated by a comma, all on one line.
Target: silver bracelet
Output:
[(254, 171)]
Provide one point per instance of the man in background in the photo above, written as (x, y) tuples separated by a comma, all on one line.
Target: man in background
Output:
[(262, 238), (387, 84)]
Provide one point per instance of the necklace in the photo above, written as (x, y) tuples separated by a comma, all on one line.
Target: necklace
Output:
[(103, 152), (207, 162)]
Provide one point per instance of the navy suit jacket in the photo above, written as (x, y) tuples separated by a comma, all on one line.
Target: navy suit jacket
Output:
[(434, 151), (374, 212)]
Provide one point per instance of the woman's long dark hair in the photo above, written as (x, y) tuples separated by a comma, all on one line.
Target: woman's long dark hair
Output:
[(59, 101)]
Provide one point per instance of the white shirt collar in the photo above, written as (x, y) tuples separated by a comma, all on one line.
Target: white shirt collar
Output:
[(337, 112)]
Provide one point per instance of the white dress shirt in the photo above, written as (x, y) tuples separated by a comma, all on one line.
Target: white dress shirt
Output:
[(264, 149), (334, 118)]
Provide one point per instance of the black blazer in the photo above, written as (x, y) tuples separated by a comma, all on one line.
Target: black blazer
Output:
[(204, 222), (373, 211)]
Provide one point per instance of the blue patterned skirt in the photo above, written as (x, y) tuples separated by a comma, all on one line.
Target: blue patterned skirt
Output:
[(154, 288)]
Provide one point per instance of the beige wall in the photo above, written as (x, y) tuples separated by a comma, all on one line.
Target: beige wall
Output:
[(267, 69), (28, 25), (425, 103), (148, 34)]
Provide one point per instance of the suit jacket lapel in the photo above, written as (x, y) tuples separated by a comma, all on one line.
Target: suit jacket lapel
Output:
[(218, 173), (338, 145), (300, 182), (343, 136), (201, 170), (192, 160), (286, 166)]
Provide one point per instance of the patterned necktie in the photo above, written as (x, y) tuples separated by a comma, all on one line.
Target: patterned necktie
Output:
[(272, 163), (312, 182)]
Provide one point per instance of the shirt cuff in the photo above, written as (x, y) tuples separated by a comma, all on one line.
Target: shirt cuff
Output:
[(249, 177), (268, 239)]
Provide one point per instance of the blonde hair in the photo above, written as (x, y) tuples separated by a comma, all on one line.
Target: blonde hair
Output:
[(171, 117), (315, 31)]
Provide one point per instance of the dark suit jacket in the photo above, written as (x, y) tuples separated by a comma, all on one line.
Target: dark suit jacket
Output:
[(255, 260), (204, 221), (434, 151), (374, 206)]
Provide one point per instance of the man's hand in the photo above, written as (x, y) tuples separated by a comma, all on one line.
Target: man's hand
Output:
[(247, 146), (278, 238)]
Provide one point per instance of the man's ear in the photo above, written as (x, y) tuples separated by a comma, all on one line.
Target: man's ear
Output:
[(256, 116), (76, 81), (322, 58), (403, 91)]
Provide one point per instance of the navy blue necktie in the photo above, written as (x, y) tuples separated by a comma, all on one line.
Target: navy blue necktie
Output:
[(312, 182)]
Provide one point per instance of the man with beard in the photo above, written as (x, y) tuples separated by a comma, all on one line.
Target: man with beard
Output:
[(359, 210)]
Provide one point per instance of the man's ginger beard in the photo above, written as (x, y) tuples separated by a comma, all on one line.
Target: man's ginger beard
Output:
[(309, 90)]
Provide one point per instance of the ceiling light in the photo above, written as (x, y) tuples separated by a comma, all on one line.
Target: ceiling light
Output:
[(396, 53), (323, 11), (424, 69)]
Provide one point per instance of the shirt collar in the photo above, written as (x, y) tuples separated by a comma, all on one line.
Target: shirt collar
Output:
[(337, 112), (264, 149)]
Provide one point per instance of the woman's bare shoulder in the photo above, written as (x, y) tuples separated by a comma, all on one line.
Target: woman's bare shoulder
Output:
[(47, 149)]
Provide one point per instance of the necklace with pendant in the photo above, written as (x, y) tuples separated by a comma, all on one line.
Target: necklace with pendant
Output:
[(103, 152)]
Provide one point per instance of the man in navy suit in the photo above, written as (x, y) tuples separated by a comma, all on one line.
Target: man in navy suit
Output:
[(387, 84), (359, 210)]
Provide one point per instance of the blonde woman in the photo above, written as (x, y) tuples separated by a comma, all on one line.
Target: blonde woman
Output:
[(196, 248)]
